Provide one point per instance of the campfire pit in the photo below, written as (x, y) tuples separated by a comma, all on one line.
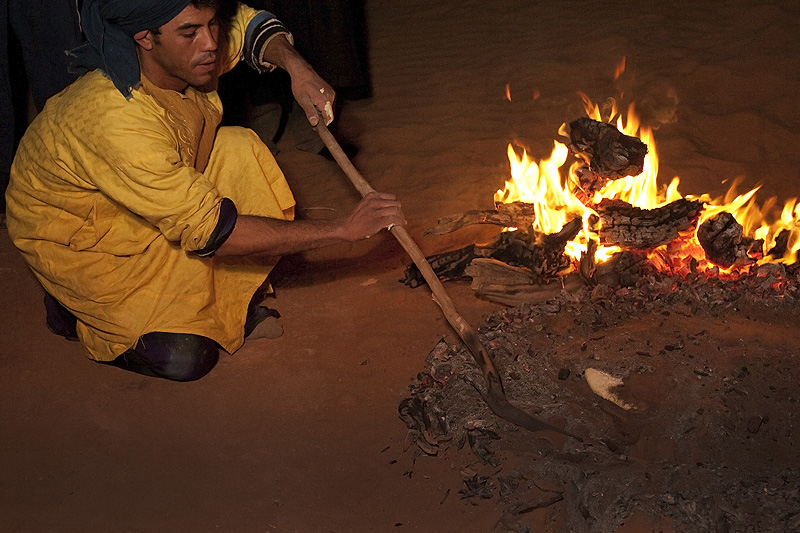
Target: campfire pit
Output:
[(633, 320)]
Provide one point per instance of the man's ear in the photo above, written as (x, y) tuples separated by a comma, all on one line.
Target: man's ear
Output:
[(144, 39)]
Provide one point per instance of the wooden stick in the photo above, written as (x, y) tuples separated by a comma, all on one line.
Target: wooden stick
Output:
[(495, 396)]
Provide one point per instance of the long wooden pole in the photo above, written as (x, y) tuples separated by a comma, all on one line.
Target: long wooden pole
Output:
[(495, 396)]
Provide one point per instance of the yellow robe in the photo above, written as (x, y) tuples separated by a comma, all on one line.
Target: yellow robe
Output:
[(109, 197)]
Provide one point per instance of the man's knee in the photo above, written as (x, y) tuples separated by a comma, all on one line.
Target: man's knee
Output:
[(192, 358), (173, 356)]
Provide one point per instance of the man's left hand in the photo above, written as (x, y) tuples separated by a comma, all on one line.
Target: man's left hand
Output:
[(309, 89), (313, 93)]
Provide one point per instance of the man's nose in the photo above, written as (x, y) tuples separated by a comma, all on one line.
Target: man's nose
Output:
[(210, 39)]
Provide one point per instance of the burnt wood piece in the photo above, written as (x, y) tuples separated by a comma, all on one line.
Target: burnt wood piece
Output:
[(723, 241), (587, 266), (633, 228), (544, 257), (781, 245), (518, 294), (609, 152), (502, 283), (624, 269), (514, 214), (483, 270), (756, 249), (589, 182)]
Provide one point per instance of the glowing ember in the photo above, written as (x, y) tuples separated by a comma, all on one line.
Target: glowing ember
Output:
[(556, 196)]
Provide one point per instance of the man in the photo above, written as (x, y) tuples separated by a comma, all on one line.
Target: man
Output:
[(144, 221)]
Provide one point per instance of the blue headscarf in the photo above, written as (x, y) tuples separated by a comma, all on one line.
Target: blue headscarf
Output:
[(109, 26)]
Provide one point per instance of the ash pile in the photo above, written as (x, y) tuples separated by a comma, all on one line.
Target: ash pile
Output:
[(683, 389)]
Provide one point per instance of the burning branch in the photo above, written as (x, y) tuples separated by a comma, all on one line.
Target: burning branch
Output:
[(608, 152), (542, 257), (514, 214), (633, 228)]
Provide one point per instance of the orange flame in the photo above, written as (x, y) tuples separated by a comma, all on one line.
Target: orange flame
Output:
[(553, 191), (620, 69)]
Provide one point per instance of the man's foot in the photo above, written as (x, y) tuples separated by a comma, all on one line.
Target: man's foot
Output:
[(255, 327), (59, 319), (269, 328)]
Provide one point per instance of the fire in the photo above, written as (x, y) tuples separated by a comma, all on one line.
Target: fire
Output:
[(620, 69), (554, 202), (553, 190)]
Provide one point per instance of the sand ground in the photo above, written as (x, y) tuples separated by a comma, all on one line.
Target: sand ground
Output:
[(301, 433)]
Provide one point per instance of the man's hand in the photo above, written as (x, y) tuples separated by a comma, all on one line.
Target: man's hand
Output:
[(375, 212), (312, 93), (309, 89)]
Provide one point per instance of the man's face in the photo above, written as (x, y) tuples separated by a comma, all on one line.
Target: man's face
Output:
[(185, 52)]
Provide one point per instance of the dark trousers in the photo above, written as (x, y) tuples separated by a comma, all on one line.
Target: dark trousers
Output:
[(173, 356), (42, 31)]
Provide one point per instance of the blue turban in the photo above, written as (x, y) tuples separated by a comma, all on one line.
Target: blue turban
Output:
[(109, 26)]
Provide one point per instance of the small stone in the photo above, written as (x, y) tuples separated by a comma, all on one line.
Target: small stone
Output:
[(754, 424)]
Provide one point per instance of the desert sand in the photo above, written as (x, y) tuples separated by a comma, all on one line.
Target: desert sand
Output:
[(301, 433)]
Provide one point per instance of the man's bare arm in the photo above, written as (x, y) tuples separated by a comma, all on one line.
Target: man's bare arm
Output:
[(309, 89), (268, 236)]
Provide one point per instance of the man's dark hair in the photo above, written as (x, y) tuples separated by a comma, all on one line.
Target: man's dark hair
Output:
[(225, 9)]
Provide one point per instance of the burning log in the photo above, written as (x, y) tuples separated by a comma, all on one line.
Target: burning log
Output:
[(505, 285), (609, 153), (544, 257), (781, 244), (644, 229), (515, 214), (723, 241), (623, 225), (725, 245)]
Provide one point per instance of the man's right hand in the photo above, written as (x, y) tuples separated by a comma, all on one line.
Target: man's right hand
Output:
[(376, 211)]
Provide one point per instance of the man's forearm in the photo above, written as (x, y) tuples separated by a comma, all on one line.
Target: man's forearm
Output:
[(268, 236), (280, 52)]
